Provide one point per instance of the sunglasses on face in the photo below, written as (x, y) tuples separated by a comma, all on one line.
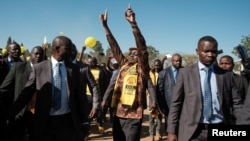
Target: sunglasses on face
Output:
[(133, 54)]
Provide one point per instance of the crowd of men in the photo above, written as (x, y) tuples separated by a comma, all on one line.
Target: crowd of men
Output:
[(56, 99)]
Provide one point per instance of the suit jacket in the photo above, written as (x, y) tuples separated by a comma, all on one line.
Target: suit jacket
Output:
[(104, 79), (89, 80), (186, 106), (14, 82), (4, 69), (40, 82), (110, 89), (242, 85), (164, 89), (244, 118)]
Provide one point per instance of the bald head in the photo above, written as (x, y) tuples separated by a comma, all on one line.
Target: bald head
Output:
[(61, 41), (61, 48)]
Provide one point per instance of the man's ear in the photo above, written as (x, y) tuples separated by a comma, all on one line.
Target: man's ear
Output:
[(197, 51)]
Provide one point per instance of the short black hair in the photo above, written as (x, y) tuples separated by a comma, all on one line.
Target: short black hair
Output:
[(208, 38)]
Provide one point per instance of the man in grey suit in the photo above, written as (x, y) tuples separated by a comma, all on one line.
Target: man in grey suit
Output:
[(166, 82), (189, 118), (58, 116), (12, 86)]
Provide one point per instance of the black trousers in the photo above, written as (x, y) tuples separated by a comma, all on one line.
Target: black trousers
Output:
[(126, 129), (60, 128), (21, 129)]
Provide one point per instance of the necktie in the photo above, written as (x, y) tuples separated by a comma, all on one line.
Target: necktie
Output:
[(57, 87), (11, 63), (207, 102), (175, 75)]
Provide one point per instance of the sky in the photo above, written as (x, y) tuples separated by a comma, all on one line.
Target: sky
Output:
[(171, 26)]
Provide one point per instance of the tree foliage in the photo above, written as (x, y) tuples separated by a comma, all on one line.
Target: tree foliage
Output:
[(153, 53), (189, 59), (98, 52), (245, 41)]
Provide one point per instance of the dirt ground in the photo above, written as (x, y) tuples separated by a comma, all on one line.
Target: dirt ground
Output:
[(107, 136)]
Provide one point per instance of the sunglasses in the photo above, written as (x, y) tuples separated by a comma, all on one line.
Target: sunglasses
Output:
[(133, 54)]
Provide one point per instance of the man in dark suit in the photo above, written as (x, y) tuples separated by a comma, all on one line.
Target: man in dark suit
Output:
[(166, 82), (244, 118), (12, 86), (14, 52), (60, 112), (189, 117), (87, 80), (13, 55), (226, 62)]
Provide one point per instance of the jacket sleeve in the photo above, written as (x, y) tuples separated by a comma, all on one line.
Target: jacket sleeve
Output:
[(25, 96), (160, 92), (94, 89)]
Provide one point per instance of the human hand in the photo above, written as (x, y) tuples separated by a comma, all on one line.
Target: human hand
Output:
[(164, 57), (153, 105), (92, 112), (130, 15), (104, 18), (171, 137), (103, 104)]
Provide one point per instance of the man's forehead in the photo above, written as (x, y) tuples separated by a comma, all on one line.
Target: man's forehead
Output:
[(133, 49)]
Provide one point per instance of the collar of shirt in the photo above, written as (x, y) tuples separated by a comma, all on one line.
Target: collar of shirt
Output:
[(202, 66), (74, 61), (9, 59), (173, 69), (31, 64), (54, 62)]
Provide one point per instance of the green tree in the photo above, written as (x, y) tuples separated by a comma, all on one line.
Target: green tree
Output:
[(108, 52), (98, 52), (188, 59), (153, 53)]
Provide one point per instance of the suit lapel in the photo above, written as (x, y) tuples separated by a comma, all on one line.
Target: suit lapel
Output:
[(49, 73), (171, 73), (196, 80), (28, 70), (69, 77), (219, 81)]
